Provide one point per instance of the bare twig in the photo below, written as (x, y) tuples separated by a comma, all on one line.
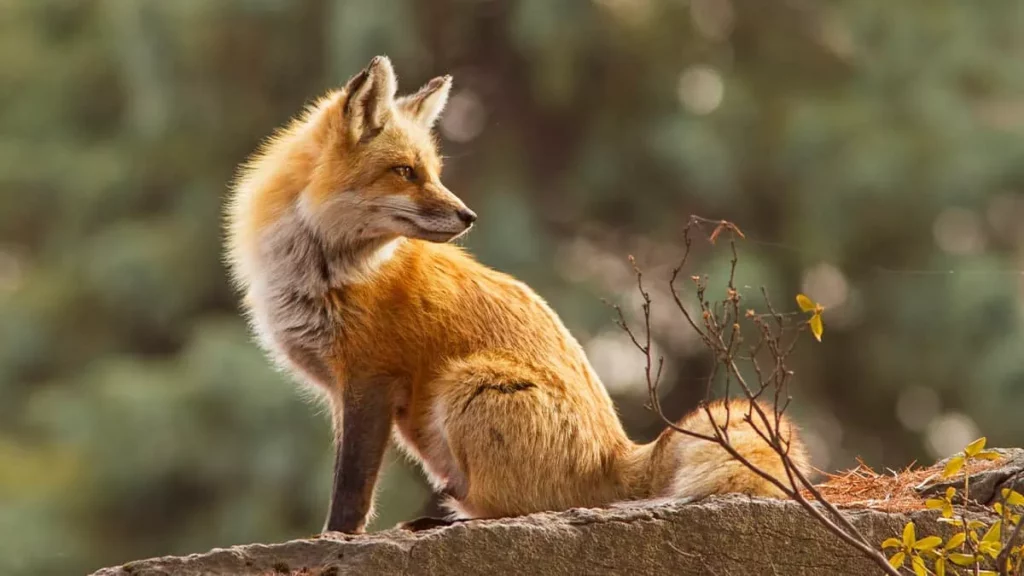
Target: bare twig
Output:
[(719, 328), (1004, 554)]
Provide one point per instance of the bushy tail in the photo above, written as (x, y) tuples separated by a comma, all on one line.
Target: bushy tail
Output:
[(686, 467)]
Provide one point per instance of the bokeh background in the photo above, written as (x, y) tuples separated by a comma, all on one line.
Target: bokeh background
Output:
[(871, 150)]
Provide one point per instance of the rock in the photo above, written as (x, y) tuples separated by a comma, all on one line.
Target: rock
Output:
[(986, 485), (729, 535)]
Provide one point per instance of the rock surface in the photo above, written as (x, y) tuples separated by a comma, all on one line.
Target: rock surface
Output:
[(731, 535), (986, 485)]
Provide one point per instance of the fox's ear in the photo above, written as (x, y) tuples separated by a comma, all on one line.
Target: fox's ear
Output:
[(426, 104), (369, 96)]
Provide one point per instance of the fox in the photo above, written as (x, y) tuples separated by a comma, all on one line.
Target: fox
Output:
[(339, 234)]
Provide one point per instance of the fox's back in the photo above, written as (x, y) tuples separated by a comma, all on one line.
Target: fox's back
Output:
[(433, 303)]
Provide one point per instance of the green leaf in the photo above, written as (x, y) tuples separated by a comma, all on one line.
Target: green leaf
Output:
[(975, 447), (953, 466)]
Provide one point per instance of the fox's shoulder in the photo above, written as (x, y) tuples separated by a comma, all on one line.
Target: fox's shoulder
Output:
[(435, 270), (420, 260)]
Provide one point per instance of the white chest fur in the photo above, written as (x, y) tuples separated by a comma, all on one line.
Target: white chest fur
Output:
[(289, 296)]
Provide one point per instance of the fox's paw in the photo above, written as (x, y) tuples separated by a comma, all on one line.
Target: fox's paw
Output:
[(335, 535), (426, 523)]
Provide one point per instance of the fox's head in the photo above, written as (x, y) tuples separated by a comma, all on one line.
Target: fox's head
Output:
[(379, 173)]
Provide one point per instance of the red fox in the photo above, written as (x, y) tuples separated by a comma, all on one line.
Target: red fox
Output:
[(338, 231)]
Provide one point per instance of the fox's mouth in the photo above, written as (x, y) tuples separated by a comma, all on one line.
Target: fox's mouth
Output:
[(429, 234)]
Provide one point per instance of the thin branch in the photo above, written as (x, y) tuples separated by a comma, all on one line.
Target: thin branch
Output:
[(1004, 554), (720, 330)]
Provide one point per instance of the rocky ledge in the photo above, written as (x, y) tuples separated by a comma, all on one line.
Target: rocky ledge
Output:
[(731, 535)]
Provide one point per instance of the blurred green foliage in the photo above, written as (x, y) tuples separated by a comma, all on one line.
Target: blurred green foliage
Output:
[(872, 151)]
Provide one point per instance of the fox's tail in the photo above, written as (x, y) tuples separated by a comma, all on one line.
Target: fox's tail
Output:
[(684, 467)]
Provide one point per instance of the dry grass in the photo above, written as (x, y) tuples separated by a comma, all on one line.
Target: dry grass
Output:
[(892, 491)]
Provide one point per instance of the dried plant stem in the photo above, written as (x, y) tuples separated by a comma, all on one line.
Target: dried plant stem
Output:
[(718, 326)]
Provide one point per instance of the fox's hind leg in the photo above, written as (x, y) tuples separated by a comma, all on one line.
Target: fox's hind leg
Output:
[(519, 444)]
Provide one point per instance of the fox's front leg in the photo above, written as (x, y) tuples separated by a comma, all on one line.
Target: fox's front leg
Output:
[(360, 442)]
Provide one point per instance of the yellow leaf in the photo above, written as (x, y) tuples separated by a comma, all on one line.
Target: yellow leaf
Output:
[(917, 563), (991, 548), (927, 543), (1015, 498), (892, 543), (974, 447), (998, 507), (897, 559), (962, 559), (950, 492), (953, 466), (940, 566), (993, 533), (988, 455), (817, 327), (935, 504), (955, 542), (986, 573), (908, 535), (805, 303)]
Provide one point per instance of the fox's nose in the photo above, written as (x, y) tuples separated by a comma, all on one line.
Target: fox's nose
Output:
[(466, 215)]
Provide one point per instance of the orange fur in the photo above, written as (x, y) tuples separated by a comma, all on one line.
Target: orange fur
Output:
[(490, 392)]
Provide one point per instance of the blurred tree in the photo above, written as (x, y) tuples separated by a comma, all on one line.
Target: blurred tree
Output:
[(867, 149)]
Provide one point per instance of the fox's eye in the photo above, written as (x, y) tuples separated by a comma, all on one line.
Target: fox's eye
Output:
[(405, 172)]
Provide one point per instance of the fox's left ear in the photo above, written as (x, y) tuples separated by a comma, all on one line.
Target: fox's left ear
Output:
[(368, 99), (427, 103)]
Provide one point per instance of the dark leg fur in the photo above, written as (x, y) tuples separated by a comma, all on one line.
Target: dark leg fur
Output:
[(365, 428)]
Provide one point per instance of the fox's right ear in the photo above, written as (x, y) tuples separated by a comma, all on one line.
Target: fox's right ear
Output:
[(369, 96), (427, 103)]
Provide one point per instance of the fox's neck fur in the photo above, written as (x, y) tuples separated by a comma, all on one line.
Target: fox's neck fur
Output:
[(285, 265), (267, 220)]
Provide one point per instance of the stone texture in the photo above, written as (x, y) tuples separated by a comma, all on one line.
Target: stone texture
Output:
[(731, 535), (985, 487)]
